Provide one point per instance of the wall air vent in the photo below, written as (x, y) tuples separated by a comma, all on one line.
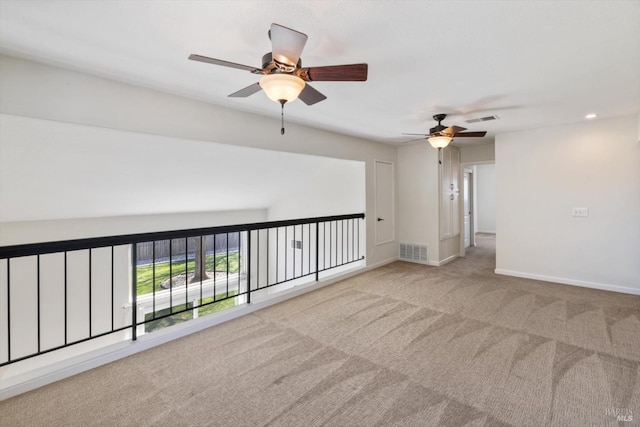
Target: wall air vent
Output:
[(414, 253), (482, 119)]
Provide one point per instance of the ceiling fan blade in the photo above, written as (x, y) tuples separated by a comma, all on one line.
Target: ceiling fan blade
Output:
[(286, 44), (411, 140), (470, 134), (453, 130), (337, 73), (423, 134), (215, 61), (311, 96), (247, 91)]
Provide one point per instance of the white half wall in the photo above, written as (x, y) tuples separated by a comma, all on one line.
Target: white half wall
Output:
[(541, 175), (485, 197)]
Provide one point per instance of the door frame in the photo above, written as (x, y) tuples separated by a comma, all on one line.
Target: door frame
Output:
[(472, 204), (463, 166), (393, 200)]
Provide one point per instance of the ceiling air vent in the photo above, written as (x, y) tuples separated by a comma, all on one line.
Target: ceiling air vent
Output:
[(483, 119), (414, 253)]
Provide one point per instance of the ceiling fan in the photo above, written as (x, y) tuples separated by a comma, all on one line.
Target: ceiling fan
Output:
[(284, 79), (440, 136)]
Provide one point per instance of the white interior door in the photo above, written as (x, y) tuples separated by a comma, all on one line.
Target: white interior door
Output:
[(384, 202), (467, 208)]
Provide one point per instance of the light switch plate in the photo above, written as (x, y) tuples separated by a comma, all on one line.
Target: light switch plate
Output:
[(580, 212)]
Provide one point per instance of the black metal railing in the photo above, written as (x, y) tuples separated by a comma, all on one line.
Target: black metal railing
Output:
[(57, 294)]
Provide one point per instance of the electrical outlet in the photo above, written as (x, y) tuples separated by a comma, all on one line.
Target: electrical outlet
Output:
[(580, 212)]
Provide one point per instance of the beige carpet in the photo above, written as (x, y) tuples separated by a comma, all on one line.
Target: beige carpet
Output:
[(402, 345)]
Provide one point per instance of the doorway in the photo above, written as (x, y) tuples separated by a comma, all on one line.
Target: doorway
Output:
[(467, 213), (478, 210)]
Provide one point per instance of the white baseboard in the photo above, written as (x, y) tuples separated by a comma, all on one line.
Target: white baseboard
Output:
[(486, 231), (444, 261), (379, 264), (30, 380), (565, 281)]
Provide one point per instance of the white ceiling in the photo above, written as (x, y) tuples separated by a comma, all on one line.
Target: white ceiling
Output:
[(532, 63)]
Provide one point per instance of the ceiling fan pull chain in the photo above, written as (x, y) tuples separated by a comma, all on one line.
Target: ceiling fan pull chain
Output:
[(282, 102)]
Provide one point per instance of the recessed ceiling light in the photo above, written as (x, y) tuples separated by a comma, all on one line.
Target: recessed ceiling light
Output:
[(591, 116)]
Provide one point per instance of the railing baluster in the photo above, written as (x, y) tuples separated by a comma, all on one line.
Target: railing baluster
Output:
[(38, 299), (171, 276), (8, 309), (248, 268), (65, 299), (317, 250), (239, 260), (227, 241), (153, 278), (90, 299), (186, 271), (309, 249), (203, 264), (112, 287), (134, 291)]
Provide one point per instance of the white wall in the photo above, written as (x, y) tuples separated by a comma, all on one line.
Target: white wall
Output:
[(332, 187), (541, 175), (54, 94), (485, 197), (417, 212), (55, 170), (477, 153)]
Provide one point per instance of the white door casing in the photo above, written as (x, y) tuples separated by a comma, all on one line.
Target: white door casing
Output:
[(449, 159), (467, 208)]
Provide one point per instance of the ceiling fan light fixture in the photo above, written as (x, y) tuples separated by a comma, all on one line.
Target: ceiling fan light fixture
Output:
[(280, 87), (439, 141)]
